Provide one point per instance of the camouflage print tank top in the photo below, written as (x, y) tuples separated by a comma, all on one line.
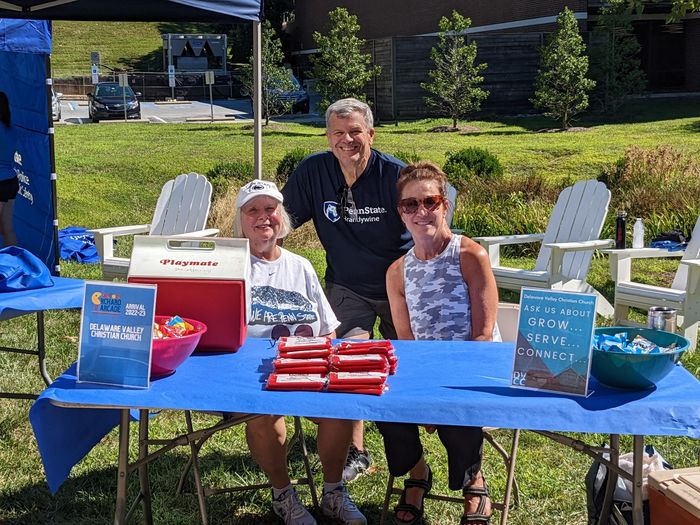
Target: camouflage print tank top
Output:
[(437, 296)]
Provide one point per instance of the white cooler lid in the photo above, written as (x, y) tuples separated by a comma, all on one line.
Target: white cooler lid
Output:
[(183, 257)]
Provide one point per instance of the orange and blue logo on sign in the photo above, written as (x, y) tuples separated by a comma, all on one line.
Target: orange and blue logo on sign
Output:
[(107, 303)]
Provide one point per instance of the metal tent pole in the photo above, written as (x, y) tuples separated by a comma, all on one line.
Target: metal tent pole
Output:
[(257, 99), (52, 166)]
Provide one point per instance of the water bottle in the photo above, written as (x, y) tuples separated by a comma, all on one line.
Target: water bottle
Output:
[(621, 230), (638, 234)]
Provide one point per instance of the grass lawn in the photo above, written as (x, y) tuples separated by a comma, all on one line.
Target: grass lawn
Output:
[(122, 45), (112, 175)]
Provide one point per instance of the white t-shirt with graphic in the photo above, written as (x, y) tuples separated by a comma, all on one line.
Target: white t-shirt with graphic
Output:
[(287, 299)]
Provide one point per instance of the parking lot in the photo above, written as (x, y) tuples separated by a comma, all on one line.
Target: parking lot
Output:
[(76, 112)]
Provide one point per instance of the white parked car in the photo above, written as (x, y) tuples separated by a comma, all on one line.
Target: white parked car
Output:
[(56, 105)]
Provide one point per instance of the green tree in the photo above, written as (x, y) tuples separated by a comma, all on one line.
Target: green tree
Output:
[(679, 8), (276, 79), (340, 66), (561, 87), (456, 78), (615, 63)]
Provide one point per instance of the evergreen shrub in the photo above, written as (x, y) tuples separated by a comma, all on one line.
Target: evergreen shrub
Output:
[(224, 174), (289, 163), (469, 163), (409, 157)]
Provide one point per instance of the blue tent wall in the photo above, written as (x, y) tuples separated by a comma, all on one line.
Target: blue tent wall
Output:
[(24, 46)]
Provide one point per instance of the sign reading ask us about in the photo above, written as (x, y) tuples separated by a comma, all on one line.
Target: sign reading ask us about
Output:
[(554, 343)]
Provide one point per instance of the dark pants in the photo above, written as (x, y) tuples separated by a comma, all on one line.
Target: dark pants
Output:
[(9, 189), (357, 314), (463, 445)]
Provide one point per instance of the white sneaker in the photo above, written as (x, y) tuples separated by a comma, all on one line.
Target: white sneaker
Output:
[(290, 509), (338, 505)]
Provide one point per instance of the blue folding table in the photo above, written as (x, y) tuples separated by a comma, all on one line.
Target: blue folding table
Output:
[(65, 293), (437, 382)]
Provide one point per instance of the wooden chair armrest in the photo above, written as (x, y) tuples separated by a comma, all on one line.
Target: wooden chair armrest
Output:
[(580, 246), (104, 237), (560, 249), (493, 244), (643, 253), (621, 260), (509, 239), (122, 230)]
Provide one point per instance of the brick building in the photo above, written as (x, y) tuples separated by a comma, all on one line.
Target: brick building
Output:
[(509, 33)]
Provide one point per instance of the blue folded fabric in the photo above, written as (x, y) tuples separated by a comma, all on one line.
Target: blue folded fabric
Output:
[(22, 270), (76, 244), (671, 246)]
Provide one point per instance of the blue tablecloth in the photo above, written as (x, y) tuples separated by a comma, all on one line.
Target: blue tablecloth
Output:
[(461, 383), (65, 293)]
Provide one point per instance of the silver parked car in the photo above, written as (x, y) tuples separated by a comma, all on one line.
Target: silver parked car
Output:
[(56, 105)]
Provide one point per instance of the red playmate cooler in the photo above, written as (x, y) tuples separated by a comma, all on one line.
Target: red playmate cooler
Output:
[(203, 279)]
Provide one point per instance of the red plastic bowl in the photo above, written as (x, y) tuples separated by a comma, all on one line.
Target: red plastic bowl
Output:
[(169, 353)]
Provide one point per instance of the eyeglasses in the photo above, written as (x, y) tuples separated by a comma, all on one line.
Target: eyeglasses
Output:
[(430, 203)]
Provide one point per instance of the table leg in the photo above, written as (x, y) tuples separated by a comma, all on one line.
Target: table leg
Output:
[(511, 475), (194, 457), (41, 347), (122, 467), (637, 508), (143, 469)]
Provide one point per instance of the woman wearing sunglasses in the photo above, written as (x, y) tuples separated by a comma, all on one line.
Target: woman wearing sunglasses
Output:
[(442, 289)]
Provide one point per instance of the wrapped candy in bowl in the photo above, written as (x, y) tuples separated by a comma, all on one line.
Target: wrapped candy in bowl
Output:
[(634, 358), (174, 340)]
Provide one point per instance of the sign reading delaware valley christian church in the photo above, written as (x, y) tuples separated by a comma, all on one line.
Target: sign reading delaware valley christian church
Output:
[(116, 330), (553, 348)]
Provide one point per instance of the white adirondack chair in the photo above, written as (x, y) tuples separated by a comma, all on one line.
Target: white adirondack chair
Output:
[(683, 295), (182, 208), (507, 320), (567, 244), (452, 198)]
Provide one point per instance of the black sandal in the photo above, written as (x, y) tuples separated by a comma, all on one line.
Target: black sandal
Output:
[(417, 513), (478, 516)]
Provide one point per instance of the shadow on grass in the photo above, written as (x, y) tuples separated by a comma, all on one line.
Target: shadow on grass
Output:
[(693, 127), (495, 133), (280, 133), (217, 128), (90, 498)]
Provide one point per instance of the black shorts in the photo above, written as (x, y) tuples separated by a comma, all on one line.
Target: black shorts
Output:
[(8, 189), (358, 314)]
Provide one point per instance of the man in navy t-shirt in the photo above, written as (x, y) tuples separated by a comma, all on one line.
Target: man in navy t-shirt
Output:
[(349, 193)]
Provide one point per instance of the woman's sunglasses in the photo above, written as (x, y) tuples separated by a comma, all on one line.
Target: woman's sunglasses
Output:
[(430, 203)]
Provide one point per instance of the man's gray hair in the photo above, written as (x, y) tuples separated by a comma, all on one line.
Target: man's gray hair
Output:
[(345, 107)]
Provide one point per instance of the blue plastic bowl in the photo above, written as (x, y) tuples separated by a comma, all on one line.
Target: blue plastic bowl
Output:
[(636, 371)]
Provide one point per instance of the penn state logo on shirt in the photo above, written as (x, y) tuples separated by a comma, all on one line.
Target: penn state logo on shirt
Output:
[(330, 210)]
